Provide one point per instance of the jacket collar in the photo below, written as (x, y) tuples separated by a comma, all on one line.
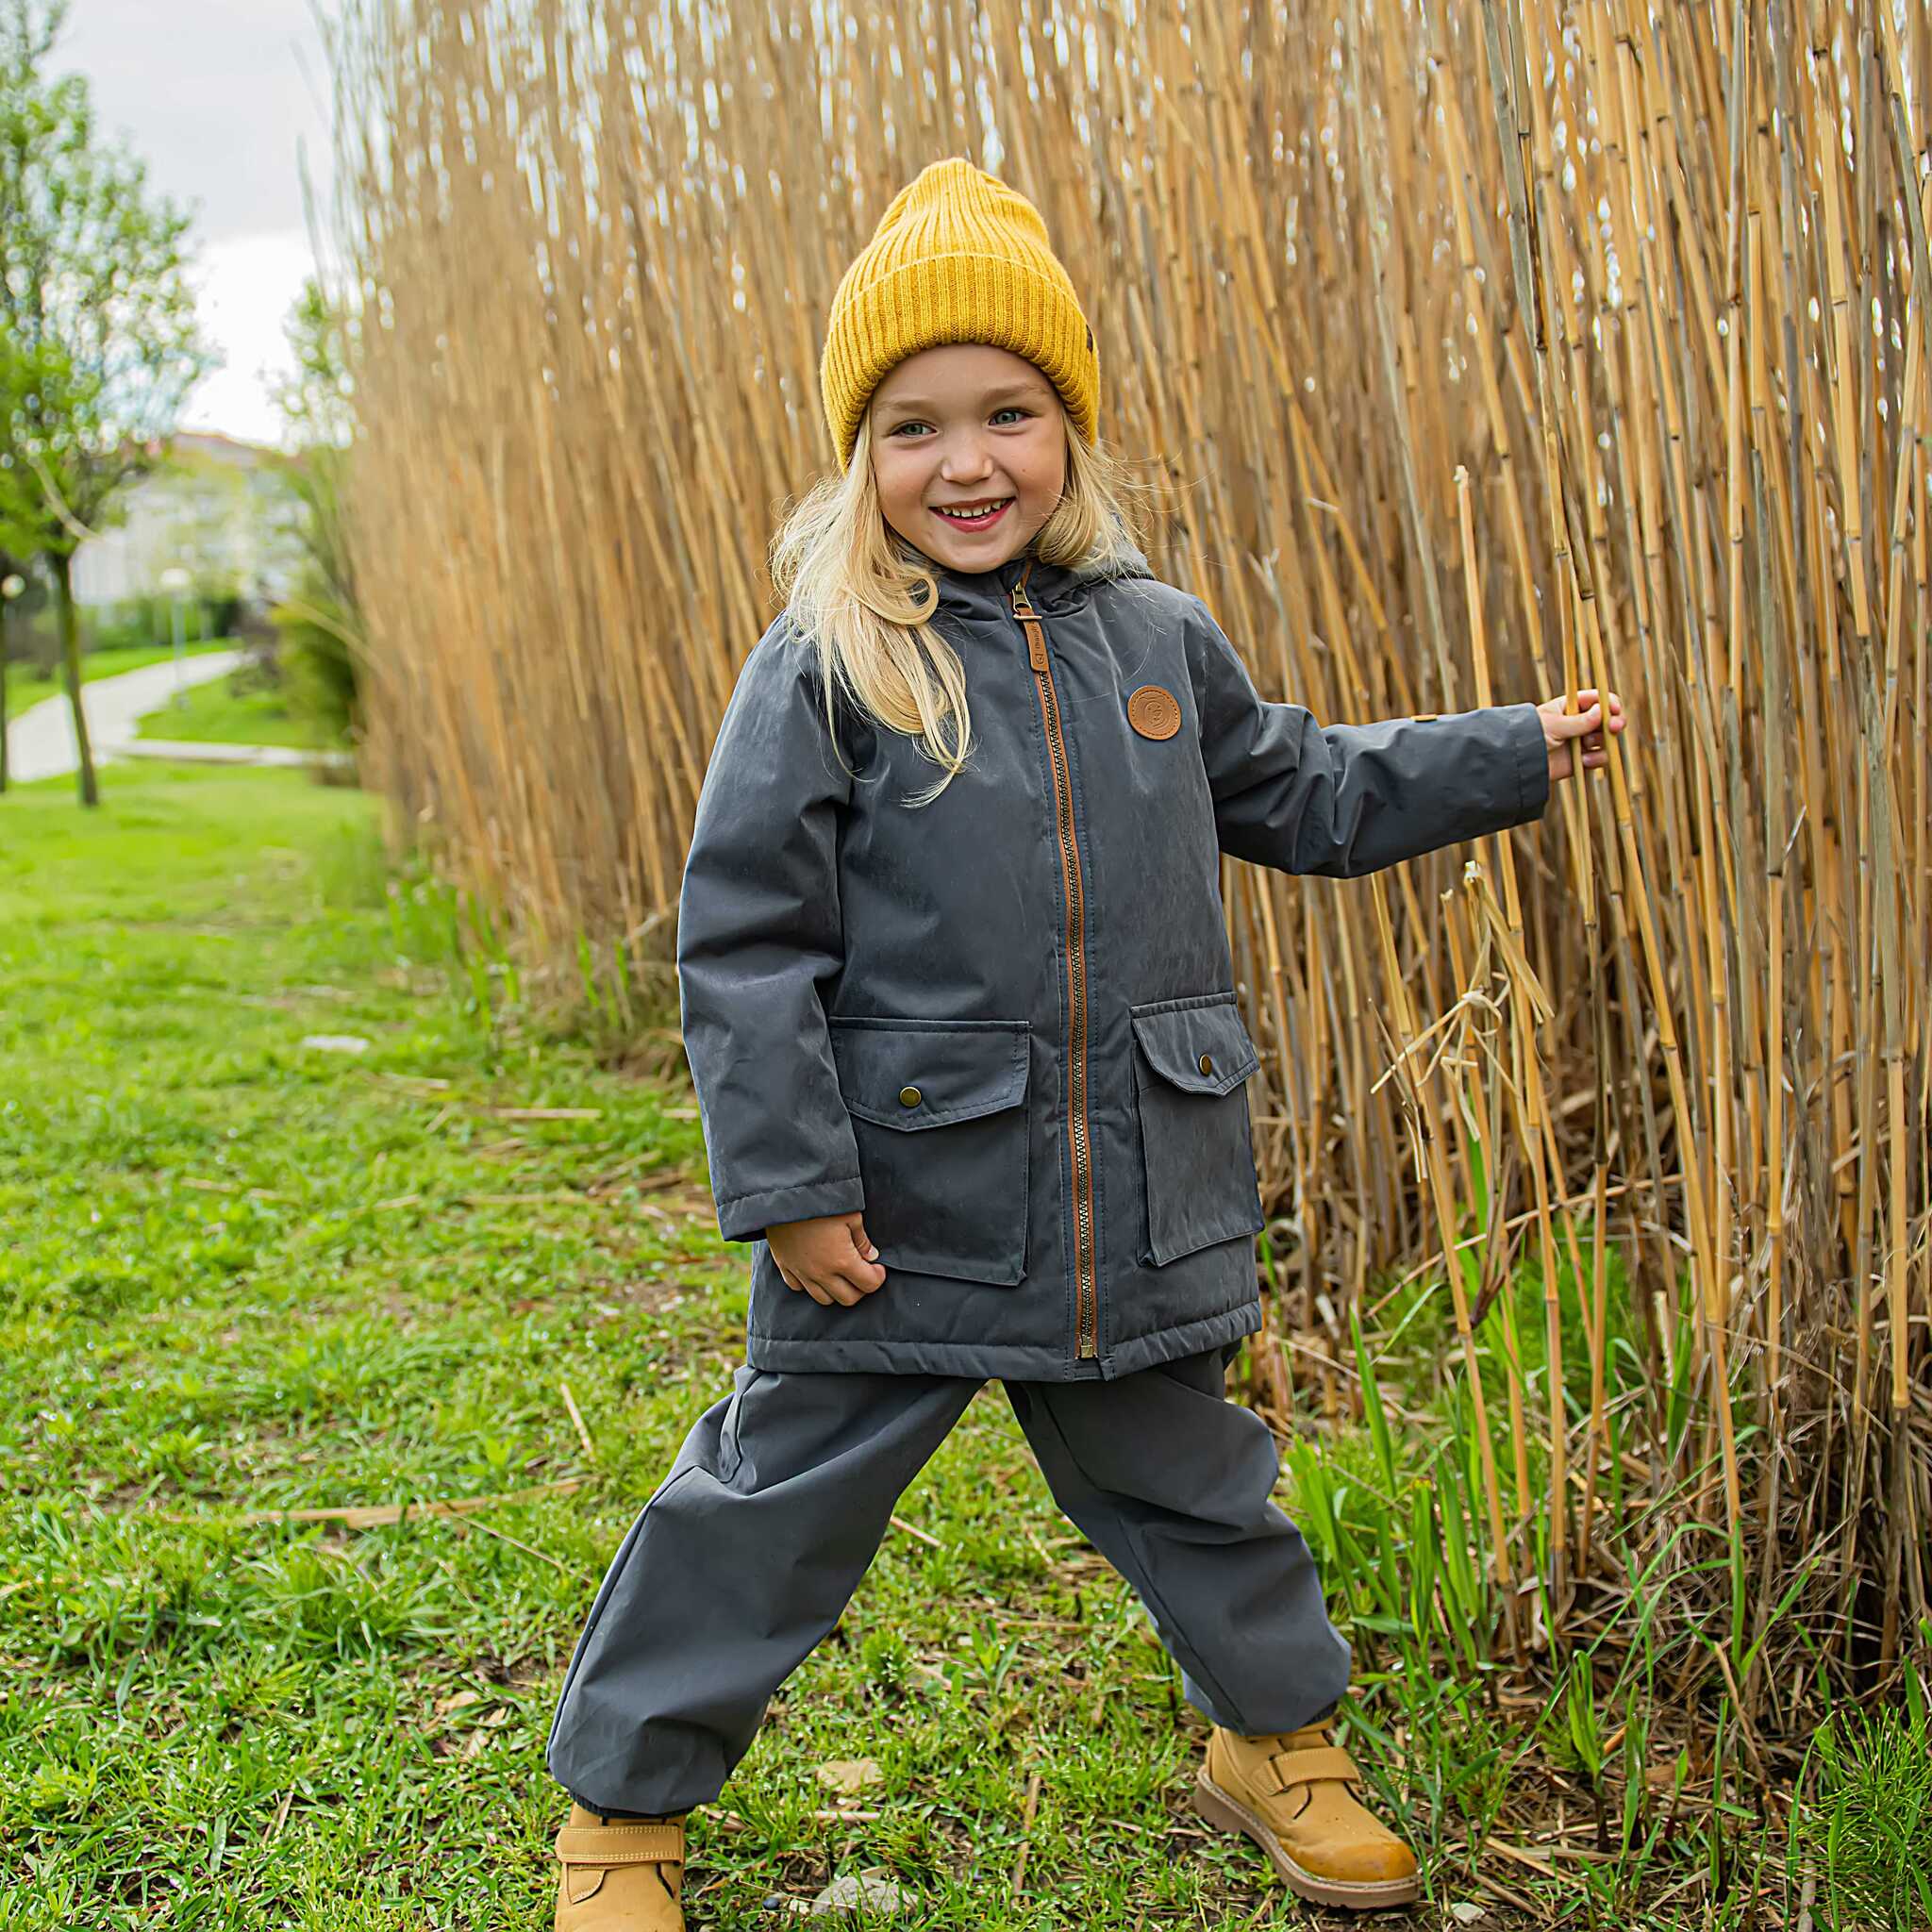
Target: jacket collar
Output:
[(1050, 587)]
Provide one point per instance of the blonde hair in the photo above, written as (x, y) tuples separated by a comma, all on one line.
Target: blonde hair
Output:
[(864, 597)]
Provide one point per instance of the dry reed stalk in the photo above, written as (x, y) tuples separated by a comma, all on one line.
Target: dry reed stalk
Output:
[(1596, 337)]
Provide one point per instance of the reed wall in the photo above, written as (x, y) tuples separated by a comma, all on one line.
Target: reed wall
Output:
[(1486, 350)]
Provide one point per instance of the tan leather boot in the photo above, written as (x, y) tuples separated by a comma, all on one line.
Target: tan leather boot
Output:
[(619, 1877), (1291, 1792)]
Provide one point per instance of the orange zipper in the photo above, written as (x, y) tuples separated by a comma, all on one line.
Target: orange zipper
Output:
[(1087, 1295)]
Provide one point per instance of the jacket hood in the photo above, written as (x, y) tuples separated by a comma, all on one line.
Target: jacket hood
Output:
[(1051, 587)]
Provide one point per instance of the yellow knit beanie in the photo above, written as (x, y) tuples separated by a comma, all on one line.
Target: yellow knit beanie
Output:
[(957, 258)]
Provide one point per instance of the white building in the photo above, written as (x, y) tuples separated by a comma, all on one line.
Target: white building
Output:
[(220, 509)]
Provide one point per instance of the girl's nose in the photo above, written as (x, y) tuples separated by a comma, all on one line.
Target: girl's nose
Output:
[(966, 462)]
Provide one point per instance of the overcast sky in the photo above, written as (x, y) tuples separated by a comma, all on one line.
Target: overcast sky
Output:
[(225, 100)]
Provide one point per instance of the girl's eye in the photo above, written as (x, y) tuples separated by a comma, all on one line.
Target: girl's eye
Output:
[(1009, 409)]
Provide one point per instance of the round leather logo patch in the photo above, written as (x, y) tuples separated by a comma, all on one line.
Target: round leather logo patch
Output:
[(1154, 712)]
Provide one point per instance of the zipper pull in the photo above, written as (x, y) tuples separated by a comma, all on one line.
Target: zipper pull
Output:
[(1030, 623)]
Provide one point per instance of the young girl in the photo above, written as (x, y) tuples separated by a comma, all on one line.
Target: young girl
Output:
[(961, 1011)]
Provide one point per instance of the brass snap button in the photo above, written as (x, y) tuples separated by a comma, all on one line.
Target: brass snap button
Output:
[(1207, 1062), (909, 1096)]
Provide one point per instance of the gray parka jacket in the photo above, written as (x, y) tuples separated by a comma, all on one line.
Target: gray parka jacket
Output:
[(1004, 1024)]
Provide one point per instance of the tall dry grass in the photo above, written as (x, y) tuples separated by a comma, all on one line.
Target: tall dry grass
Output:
[(1489, 351)]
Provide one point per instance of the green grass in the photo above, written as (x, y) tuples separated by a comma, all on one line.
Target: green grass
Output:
[(25, 687), (242, 1275), (239, 1275), (1871, 1827), (217, 713)]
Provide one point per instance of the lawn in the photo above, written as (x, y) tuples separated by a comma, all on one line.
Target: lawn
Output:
[(244, 1273), (217, 713)]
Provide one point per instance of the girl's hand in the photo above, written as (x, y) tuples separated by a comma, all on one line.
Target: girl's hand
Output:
[(1562, 728), (829, 1256)]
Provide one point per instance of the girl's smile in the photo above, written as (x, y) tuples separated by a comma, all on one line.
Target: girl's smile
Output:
[(976, 516)]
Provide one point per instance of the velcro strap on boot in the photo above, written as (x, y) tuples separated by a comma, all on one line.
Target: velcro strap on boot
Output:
[(1311, 1766), (611, 1845)]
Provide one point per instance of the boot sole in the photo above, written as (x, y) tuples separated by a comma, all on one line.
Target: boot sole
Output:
[(1363, 1895)]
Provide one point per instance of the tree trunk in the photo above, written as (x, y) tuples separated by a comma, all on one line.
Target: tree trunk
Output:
[(70, 660)]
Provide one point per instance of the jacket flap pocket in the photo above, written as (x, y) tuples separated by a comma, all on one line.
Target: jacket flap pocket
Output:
[(1200, 1046), (909, 1073)]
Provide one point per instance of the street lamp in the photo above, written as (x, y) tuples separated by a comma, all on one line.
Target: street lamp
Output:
[(175, 580), (11, 585)]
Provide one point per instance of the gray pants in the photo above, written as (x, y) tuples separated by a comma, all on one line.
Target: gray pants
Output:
[(748, 1553)]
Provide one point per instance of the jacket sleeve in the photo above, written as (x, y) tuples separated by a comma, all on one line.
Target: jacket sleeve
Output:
[(1348, 799), (759, 934)]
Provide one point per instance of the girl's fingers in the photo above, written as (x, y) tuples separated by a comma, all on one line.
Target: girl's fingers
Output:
[(1590, 702), (838, 1289)]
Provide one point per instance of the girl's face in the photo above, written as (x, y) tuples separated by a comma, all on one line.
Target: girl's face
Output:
[(969, 450)]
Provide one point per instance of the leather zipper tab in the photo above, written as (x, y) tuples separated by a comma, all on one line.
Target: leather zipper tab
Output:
[(1030, 623)]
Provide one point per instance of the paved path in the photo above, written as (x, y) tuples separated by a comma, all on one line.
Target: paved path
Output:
[(40, 742)]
